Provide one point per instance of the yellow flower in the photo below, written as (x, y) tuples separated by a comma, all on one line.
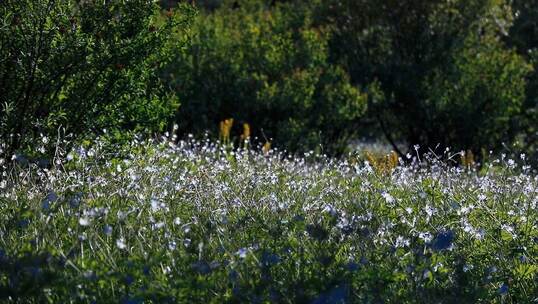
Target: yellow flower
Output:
[(225, 128), (266, 148), (246, 132)]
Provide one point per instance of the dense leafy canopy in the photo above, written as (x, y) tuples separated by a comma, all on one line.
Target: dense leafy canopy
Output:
[(83, 66), (268, 68), (303, 74), (446, 76)]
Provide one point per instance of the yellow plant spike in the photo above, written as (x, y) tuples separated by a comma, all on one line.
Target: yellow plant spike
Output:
[(225, 128), (392, 160), (266, 148), (246, 132), (383, 164), (371, 159), (245, 137)]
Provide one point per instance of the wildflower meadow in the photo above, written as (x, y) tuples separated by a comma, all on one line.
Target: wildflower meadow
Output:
[(268, 151), (197, 221)]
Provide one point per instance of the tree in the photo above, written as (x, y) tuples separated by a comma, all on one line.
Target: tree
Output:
[(445, 75), (523, 36), (83, 66), (267, 66)]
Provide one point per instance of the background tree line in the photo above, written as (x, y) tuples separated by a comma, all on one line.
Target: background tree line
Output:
[(306, 74)]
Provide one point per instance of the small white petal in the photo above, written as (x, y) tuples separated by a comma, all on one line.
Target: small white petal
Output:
[(84, 221), (121, 243)]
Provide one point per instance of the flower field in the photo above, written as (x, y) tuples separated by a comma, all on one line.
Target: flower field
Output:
[(197, 222)]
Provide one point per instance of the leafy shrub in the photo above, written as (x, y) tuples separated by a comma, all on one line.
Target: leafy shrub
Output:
[(477, 96), (268, 67), (445, 75), (84, 66), (523, 36)]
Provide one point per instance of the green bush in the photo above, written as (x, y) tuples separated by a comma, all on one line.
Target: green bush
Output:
[(477, 95), (523, 37), (83, 66), (445, 75), (267, 66)]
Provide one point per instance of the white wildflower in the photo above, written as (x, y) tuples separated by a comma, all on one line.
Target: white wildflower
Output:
[(401, 242), (425, 236), (388, 198), (242, 252), (84, 221), (120, 243)]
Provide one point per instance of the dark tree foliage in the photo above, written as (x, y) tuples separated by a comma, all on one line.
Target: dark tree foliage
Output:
[(444, 73), (82, 66), (269, 67), (436, 73), (523, 36)]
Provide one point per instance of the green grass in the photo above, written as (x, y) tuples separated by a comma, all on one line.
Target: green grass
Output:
[(198, 223)]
